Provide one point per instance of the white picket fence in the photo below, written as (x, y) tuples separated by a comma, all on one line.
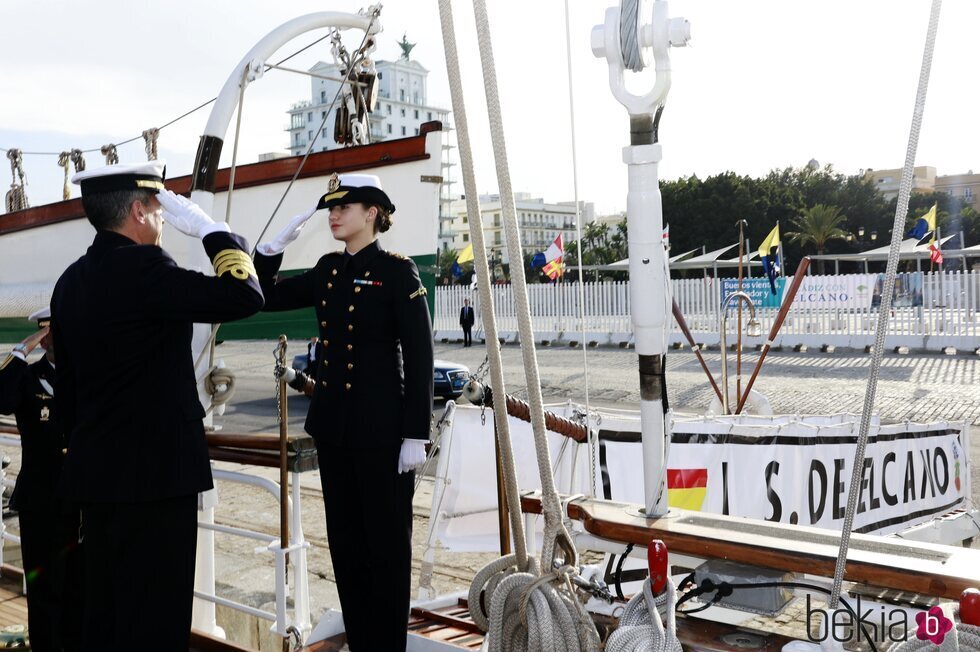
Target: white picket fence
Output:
[(947, 316)]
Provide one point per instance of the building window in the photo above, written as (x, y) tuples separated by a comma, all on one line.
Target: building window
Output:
[(401, 96), (309, 135), (466, 237), (324, 133), (496, 220), (430, 115), (297, 122), (416, 114), (388, 106), (496, 237), (968, 194), (323, 96), (323, 115), (389, 129), (403, 112), (415, 99), (309, 117), (416, 132), (403, 131), (465, 220)]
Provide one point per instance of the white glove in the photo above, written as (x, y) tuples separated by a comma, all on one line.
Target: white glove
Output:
[(412, 455), (289, 233), (186, 216)]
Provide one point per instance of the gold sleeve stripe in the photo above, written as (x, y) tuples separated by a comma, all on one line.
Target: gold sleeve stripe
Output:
[(6, 361), (235, 261), (421, 292)]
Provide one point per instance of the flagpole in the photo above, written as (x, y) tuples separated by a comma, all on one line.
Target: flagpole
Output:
[(779, 252), (738, 340)]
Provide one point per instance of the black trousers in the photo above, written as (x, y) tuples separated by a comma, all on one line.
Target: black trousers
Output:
[(467, 336), (53, 570), (368, 505), (139, 561)]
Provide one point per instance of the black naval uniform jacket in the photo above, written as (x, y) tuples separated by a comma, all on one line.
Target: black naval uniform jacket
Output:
[(374, 370), (122, 316), (43, 443)]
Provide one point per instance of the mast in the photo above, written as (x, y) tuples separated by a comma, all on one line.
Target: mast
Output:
[(625, 46)]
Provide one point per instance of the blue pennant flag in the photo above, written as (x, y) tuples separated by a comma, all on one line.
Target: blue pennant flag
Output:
[(457, 270), (538, 260), (924, 224)]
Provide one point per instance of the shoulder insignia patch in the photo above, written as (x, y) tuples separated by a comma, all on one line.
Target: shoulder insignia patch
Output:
[(421, 292)]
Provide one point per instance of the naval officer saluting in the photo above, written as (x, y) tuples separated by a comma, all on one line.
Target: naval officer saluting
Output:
[(122, 318), (372, 404), (48, 526)]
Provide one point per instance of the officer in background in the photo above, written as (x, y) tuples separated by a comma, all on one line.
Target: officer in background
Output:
[(372, 404), (123, 317), (48, 527)]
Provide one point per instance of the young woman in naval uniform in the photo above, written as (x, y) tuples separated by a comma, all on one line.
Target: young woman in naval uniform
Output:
[(372, 404)]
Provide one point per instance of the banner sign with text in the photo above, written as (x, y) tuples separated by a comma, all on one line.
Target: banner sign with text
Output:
[(798, 471), (846, 291), (758, 290)]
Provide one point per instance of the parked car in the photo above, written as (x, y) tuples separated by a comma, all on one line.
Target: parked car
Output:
[(448, 378)]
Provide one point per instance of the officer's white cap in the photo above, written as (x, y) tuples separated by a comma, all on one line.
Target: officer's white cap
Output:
[(148, 176), (42, 315)]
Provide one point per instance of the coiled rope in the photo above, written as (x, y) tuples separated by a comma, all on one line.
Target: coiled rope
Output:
[(219, 383), (16, 198), (881, 329), (642, 627)]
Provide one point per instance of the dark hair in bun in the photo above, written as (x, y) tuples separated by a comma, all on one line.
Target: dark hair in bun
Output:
[(383, 221)]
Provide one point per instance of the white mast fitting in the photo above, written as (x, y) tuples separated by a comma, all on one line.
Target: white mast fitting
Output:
[(625, 41)]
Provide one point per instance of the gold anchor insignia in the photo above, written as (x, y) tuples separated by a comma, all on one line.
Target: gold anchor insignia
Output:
[(45, 413), (333, 182)]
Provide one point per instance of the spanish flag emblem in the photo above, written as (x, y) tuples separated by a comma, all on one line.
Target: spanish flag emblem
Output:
[(686, 488)]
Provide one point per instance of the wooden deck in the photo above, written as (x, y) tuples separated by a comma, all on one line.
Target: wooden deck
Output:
[(13, 606)]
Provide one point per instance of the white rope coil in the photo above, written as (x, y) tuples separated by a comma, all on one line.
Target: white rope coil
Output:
[(642, 626)]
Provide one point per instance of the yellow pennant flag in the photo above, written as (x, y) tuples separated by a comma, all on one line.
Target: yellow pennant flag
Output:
[(465, 255)]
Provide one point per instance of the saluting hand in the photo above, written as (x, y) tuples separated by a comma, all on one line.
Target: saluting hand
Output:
[(288, 234), (186, 216)]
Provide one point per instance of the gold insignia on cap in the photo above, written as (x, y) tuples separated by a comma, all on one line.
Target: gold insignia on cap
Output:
[(333, 182), (340, 194), (144, 183), (235, 261)]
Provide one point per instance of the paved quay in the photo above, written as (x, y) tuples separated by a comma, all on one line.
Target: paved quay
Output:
[(917, 387)]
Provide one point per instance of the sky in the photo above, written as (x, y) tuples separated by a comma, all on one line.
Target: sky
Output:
[(767, 84)]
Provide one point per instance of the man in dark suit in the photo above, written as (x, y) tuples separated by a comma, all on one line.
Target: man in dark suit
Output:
[(48, 527), (466, 320), (123, 317)]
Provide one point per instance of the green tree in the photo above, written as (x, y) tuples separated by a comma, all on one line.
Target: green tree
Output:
[(817, 226)]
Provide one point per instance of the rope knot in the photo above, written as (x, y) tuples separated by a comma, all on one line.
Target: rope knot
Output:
[(150, 137)]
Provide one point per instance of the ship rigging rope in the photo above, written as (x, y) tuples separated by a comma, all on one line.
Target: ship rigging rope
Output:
[(629, 43), (175, 120), (593, 440), (519, 558), (527, 610), (881, 329), (355, 61)]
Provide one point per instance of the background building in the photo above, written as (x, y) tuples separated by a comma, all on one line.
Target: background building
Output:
[(540, 223), (964, 186)]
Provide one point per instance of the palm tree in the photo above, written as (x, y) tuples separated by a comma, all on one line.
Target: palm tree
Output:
[(818, 225)]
